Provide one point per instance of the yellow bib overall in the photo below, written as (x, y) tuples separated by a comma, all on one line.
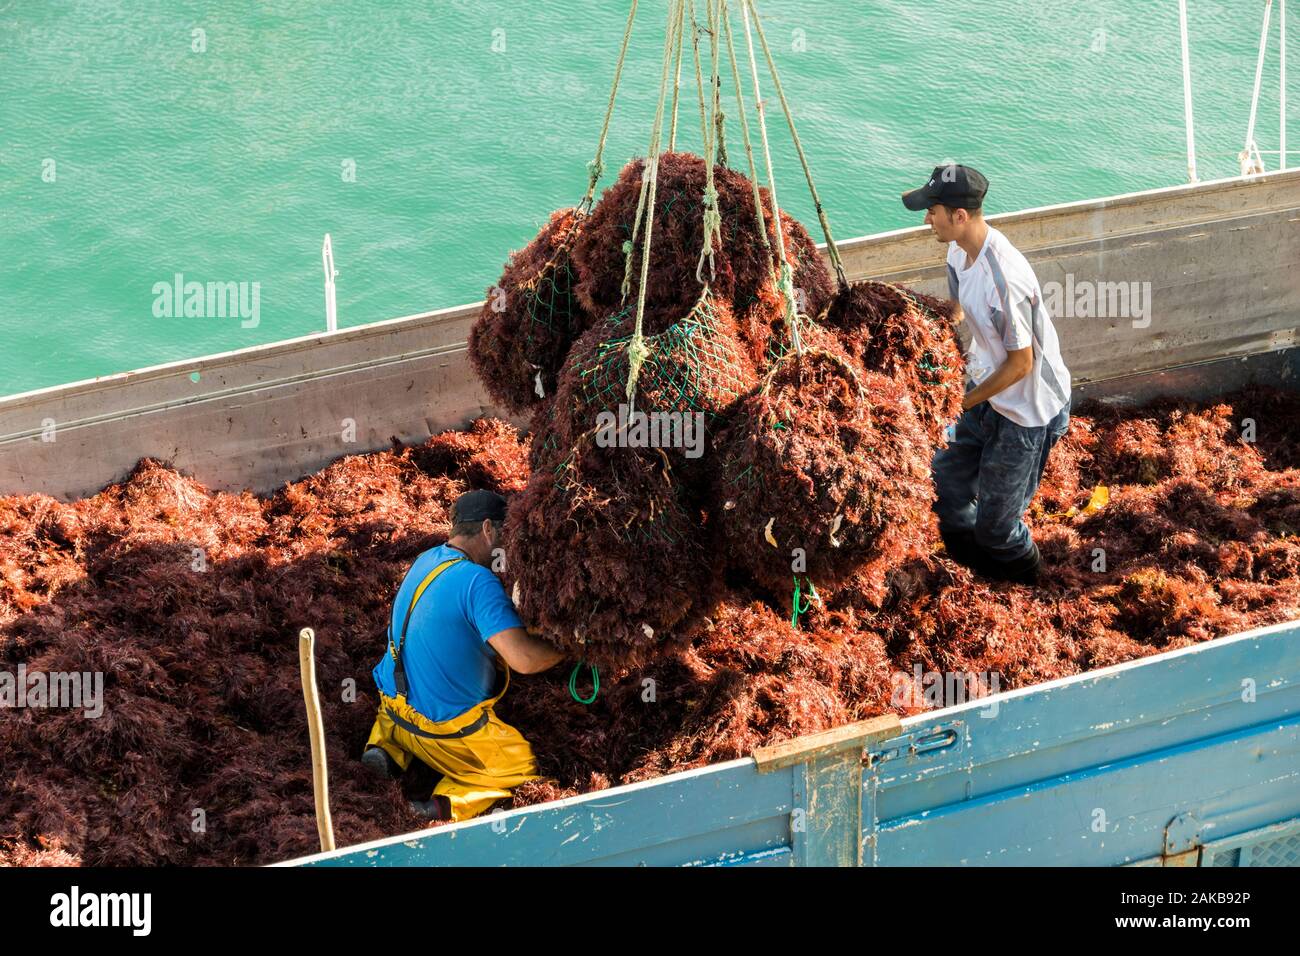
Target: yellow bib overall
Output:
[(480, 756)]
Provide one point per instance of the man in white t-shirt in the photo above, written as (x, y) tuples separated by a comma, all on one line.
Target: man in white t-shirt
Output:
[(1017, 403)]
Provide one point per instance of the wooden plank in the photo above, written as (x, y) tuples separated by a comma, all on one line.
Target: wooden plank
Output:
[(787, 753)]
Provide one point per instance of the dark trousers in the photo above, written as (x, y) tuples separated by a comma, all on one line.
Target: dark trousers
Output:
[(987, 476)]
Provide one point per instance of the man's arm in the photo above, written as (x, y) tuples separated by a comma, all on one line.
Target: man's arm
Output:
[(493, 614), (524, 653), (1019, 363), (954, 296), (1013, 315)]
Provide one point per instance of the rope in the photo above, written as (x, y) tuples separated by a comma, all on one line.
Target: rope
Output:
[(573, 682), (712, 217), (677, 87), (630, 244), (803, 160), (596, 168), (699, 76), (785, 281), (719, 118), (812, 599), (636, 349), (744, 129)]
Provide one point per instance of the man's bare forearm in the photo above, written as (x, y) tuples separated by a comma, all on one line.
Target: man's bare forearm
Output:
[(1009, 372)]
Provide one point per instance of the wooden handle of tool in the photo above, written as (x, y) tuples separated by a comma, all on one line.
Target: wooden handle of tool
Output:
[(319, 768)]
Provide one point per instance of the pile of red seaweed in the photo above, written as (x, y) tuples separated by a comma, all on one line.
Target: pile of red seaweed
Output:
[(825, 458), (189, 602), (824, 432), (742, 263)]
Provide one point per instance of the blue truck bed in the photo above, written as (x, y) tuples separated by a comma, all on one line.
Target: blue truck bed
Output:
[(1187, 758)]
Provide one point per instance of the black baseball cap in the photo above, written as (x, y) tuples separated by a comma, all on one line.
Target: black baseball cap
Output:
[(481, 505), (957, 187)]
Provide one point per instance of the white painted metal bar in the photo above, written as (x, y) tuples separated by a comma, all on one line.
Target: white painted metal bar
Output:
[(1187, 93), (1250, 158), (331, 307)]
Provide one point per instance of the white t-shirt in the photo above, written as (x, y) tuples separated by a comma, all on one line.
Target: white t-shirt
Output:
[(1003, 303)]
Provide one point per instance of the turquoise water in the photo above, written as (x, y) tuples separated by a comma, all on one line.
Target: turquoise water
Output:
[(227, 165)]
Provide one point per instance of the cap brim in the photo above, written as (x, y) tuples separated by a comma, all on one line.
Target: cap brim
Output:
[(918, 199)]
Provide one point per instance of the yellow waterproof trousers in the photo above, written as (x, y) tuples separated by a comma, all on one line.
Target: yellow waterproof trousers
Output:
[(481, 757)]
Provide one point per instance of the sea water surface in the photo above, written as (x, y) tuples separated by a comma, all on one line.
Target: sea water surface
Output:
[(220, 142)]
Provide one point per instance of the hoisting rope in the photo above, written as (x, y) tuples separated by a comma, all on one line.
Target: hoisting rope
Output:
[(712, 217), (744, 129), (636, 349), (785, 280), (596, 168), (677, 86), (719, 118), (630, 244), (803, 160), (699, 77)]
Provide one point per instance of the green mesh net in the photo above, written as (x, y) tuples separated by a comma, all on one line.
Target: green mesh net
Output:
[(551, 307), (649, 509), (695, 365)]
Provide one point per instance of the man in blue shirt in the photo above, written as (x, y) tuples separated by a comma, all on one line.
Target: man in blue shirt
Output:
[(452, 630)]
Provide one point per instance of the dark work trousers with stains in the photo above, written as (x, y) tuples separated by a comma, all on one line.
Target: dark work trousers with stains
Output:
[(988, 474)]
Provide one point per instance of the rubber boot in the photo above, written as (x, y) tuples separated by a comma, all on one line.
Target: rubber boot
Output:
[(961, 547), (436, 808), (377, 761), (1023, 570)]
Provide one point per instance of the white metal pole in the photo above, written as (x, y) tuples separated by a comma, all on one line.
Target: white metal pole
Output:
[(331, 309), (1251, 149), (1187, 93), (1281, 15)]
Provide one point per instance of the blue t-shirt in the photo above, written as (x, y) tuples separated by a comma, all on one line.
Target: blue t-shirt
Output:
[(449, 662)]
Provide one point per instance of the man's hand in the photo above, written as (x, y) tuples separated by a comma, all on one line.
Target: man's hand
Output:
[(1018, 364), (524, 653)]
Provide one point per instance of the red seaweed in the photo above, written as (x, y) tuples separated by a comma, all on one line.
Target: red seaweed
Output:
[(203, 711), (530, 317)]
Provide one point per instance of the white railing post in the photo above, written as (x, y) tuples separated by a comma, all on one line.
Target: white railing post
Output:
[(1251, 161), (1187, 93), (331, 309), (1281, 15)]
